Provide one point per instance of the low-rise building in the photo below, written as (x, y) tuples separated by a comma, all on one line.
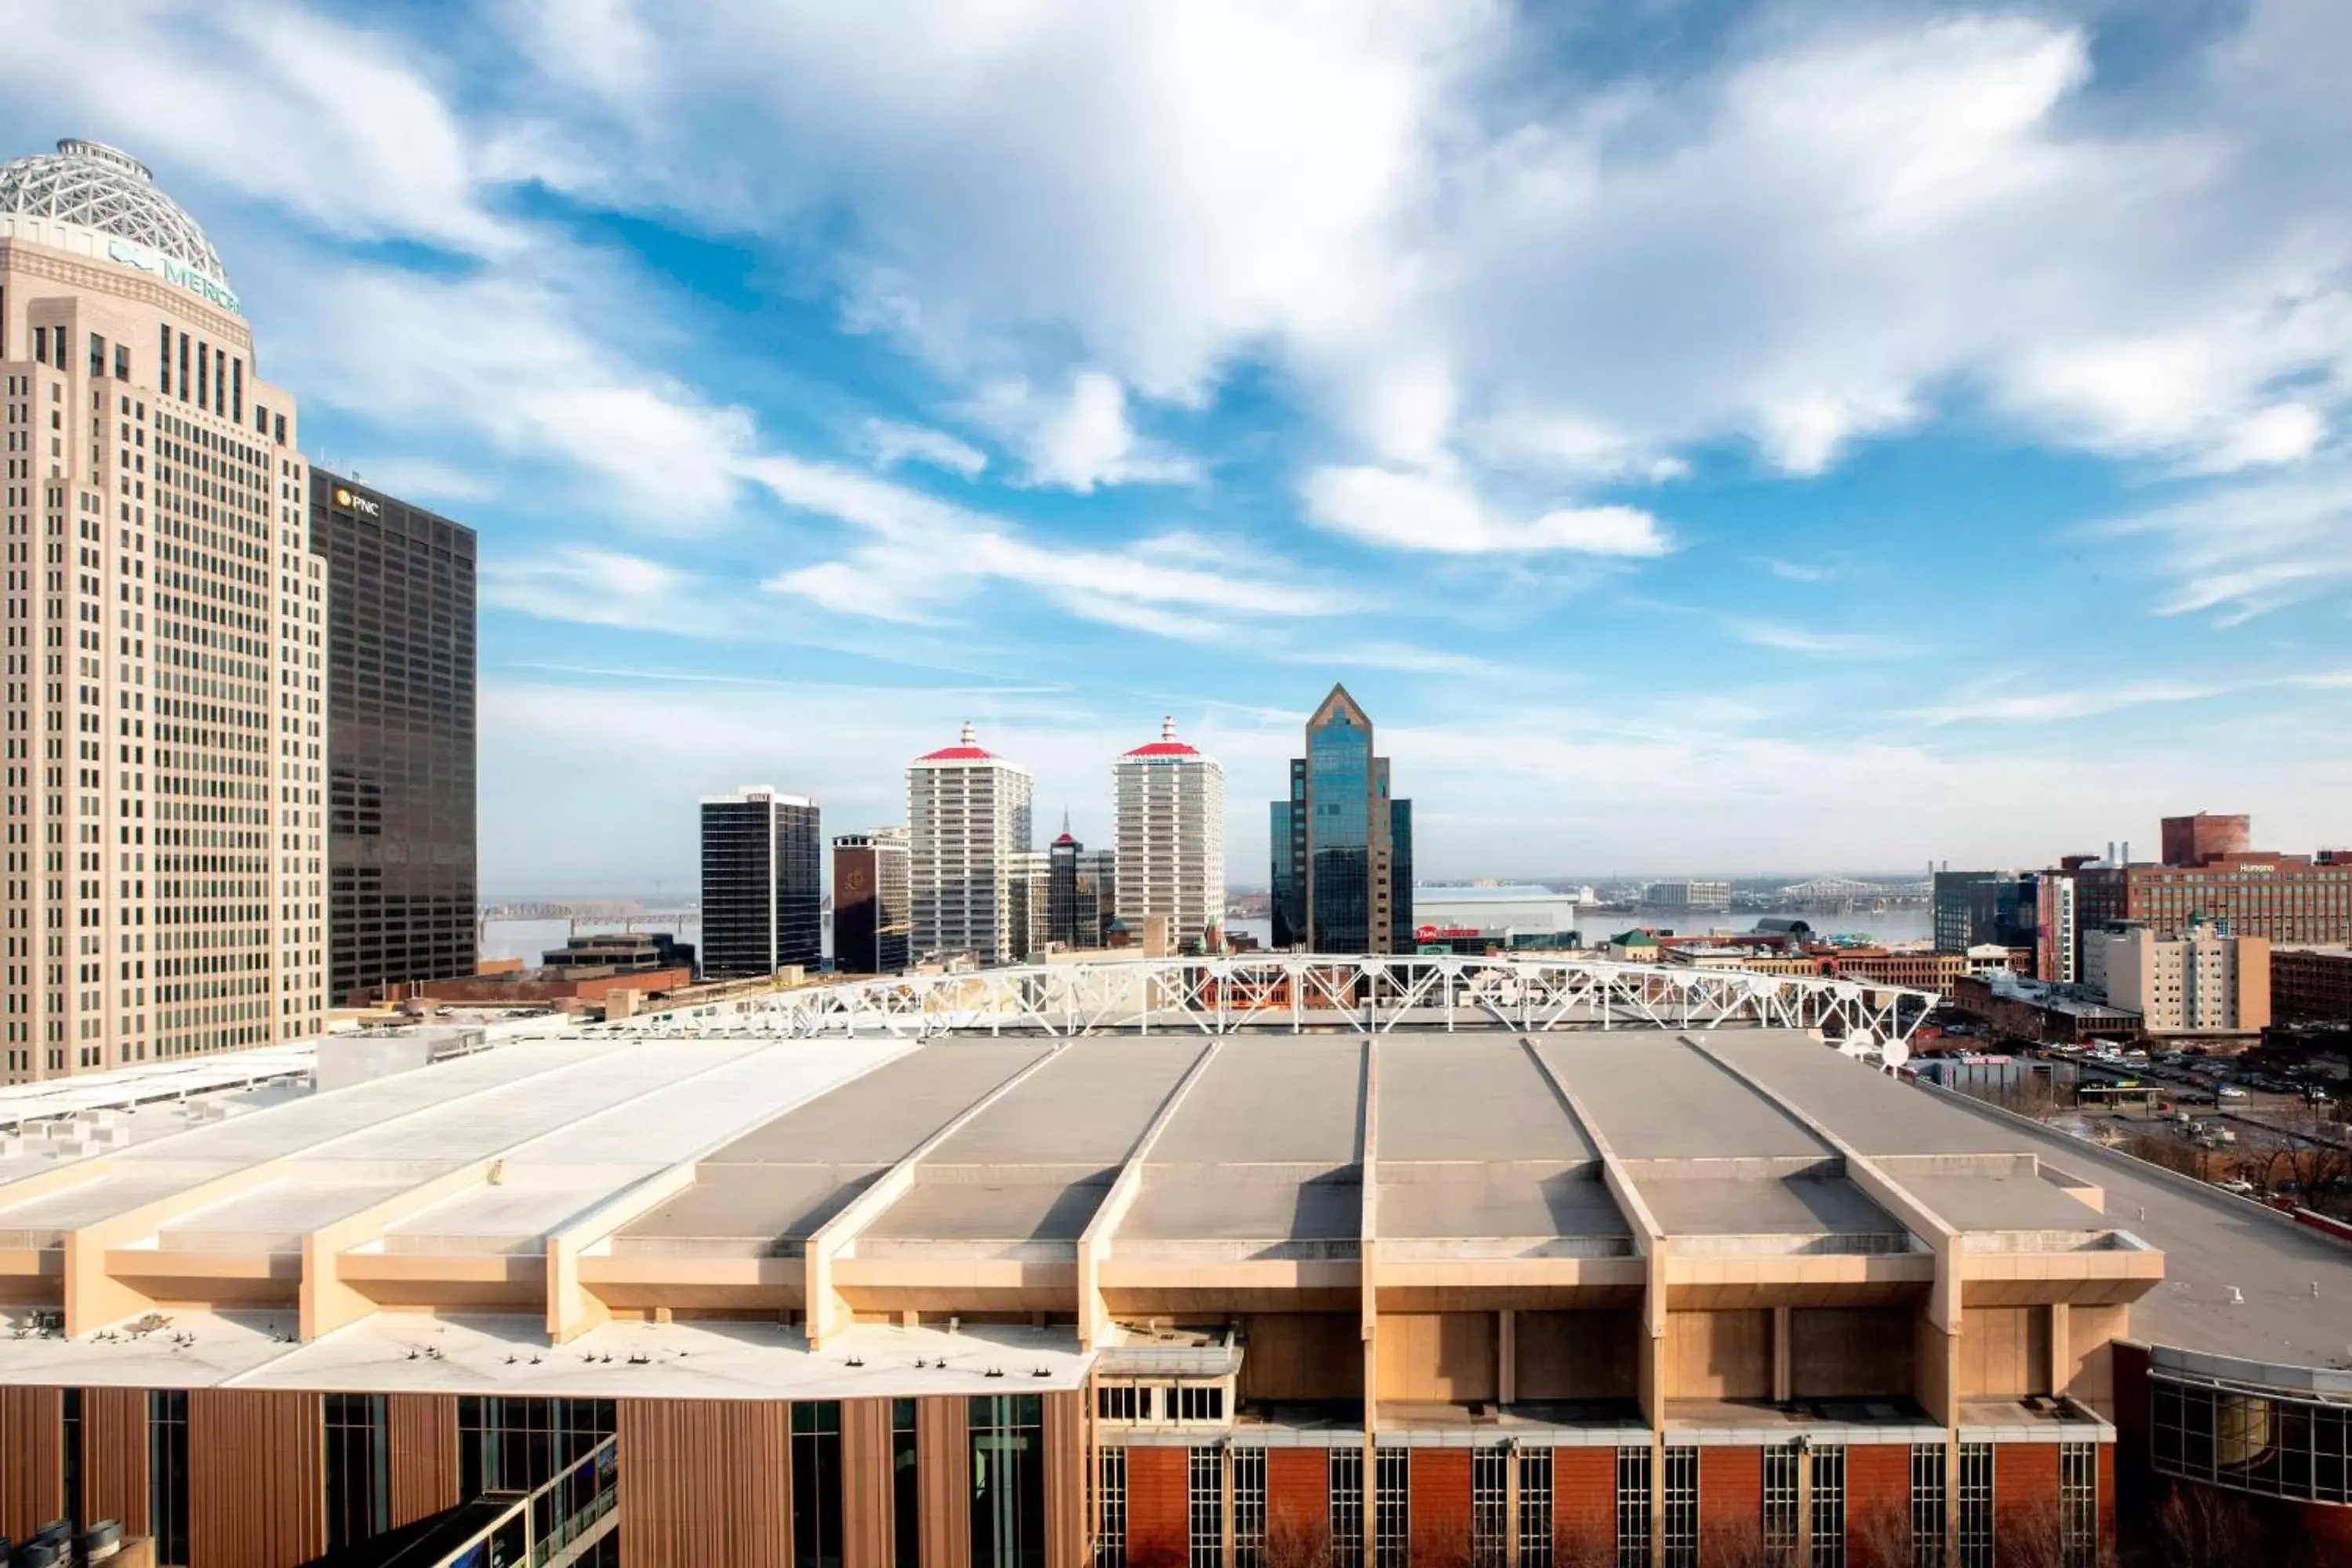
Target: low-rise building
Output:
[(2036, 1010), (2310, 984)]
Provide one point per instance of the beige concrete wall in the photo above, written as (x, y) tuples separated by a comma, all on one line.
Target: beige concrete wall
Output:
[(1439, 1356), (2004, 1353), (1838, 1352), (1303, 1355), (1718, 1355), (1577, 1354)]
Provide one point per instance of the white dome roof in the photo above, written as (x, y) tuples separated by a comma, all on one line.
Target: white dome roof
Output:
[(100, 187)]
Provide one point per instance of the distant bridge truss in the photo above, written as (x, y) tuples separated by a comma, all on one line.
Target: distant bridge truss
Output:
[(1298, 992)]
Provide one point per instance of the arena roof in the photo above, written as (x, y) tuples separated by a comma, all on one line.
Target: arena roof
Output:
[(539, 1188)]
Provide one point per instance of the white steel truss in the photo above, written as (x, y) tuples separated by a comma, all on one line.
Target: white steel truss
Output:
[(1295, 991)]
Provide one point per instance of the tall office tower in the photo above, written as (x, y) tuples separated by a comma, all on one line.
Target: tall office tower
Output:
[(2206, 836), (967, 816), (400, 739), (1170, 801), (1081, 892), (163, 641), (762, 888), (870, 902), (1342, 847)]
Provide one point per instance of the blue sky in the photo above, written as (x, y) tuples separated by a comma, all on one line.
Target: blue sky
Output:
[(1704, 435)]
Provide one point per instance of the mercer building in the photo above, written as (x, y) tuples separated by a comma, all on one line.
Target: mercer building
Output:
[(1217, 1261), (165, 877)]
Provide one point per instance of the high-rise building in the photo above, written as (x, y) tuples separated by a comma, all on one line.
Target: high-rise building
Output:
[(967, 813), (1082, 888), (762, 896), (1342, 848), (400, 739), (1170, 802), (165, 658), (870, 923), (1978, 909), (1700, 898), (2201, 982)]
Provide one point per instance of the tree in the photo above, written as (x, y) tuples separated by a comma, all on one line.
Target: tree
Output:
[(1295, 1542)]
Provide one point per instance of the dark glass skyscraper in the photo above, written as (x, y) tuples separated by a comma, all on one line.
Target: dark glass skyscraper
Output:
[(1081, 892), (1342, 848), (400, 738), (763, 883)]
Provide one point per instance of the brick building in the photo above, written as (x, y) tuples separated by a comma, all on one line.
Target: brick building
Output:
[(2310, 984)]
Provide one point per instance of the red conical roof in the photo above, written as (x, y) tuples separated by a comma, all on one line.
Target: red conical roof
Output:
[(1168, 745)]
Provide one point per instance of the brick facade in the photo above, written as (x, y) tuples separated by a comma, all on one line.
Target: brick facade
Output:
[(1157, 1491), (1731, 1492), (2024, 1500), (1878, 1504), (1584, 1501), (1297, 1492)]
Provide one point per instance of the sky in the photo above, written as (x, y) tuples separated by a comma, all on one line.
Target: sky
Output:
[(1704, 435)]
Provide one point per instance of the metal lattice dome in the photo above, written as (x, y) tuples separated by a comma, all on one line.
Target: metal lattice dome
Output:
[(104, 188)]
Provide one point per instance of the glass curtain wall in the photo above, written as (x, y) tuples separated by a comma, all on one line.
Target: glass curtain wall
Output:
[(1008, 1481)]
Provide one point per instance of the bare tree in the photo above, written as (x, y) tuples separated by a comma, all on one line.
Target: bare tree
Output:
[(1585, 1546), (1878, 1536), (2201, 1527), (1295, 1542)]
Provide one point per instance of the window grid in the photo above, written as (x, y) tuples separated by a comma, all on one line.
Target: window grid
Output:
[(1110, 1489), (2263, 1443), (167, 1471), (1927, 1518), (1829, 1507), (357, 1465), (1490, 1507), (1679, 1493), (2078, 1504), (1204, 1506), (1392, 1508), (1975, 1505), (1249, 1507), (1783, 1500), (1535, 1507), (1347, 1476), (906, 1495), (1634, 1508)]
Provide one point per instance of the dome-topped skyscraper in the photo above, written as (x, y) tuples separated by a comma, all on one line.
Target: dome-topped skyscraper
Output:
[(180, 735), (1170, 804), (92, 185)]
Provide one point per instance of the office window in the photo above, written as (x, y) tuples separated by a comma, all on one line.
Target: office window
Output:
[(1204, 1508), (1829, 1507), (40, 346), (70, 1457), (123, 361), (1391, 1507), (1249, 1508), (1678, 1534), (1975, 1499), (1782, 1525), (521, 1445), (1347, 1507), (1927, 1519), (905, 1498), (816, 1484), (1535, 1507), (97, 357), (167, 1474), (1110, 1492), (237, 393), (1199, 1402), (358, 1468), (1123, 1402), (2078, 1504), (1008, 1481), (184, 360), (203, 375), (1490, 1507), (1634, 1508)]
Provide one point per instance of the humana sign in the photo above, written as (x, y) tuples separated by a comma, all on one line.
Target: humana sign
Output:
[(132, 254)]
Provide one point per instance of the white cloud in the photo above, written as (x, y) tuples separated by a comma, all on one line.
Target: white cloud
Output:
[(1805, 639), (889, 443), (596, 586), (1080, 439), (1435, 510), (1797, 570), (2053, 707), (504, 358), (342, 125), (926, 554), (2246, 549)]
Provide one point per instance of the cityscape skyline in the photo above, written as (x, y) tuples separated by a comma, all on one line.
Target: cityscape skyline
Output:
[(796, 475)]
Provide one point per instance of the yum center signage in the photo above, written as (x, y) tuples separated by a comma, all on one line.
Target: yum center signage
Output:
[(131, 254)]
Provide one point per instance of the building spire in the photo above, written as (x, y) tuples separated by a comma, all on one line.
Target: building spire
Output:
[(1168, 727), (970, 737)]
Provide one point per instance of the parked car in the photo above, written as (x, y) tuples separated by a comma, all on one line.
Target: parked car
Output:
[(2231, 1092), (2238, 1185)]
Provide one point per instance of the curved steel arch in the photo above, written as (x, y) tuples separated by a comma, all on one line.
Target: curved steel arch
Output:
[(1292, 992)]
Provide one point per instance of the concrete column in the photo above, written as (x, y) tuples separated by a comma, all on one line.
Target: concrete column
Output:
[(1507, 1352), (2062, 1353), (1784, 1380)]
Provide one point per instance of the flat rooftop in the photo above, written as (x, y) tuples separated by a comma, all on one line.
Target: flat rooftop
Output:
[(703, 1165)]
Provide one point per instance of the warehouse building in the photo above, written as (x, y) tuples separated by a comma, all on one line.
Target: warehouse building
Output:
[(688, 1290)]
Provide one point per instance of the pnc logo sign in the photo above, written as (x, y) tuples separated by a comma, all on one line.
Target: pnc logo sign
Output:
[(350, 501)]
